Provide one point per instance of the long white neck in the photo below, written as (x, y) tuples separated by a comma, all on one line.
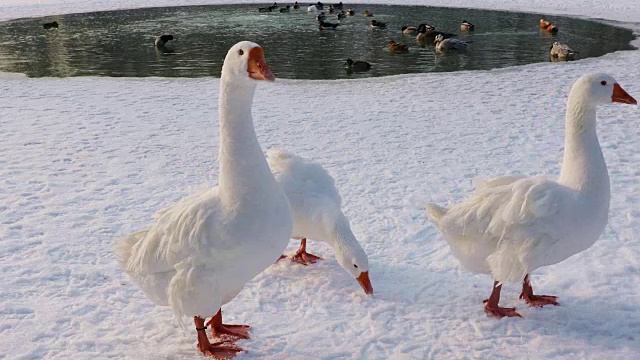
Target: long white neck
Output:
[(343, 236), (243, 167), (583, 166)]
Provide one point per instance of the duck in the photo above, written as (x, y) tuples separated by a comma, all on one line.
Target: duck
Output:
[(323, 25), (316, 207), (330, 9), (312, 8), (444, 45), (339, 6), (265, 9), (341, 15), (409, 30), (467, 26), (321, 17), (514, 225), (428, 35), (320, 5), (548, 26), (562, 51), (395, 47), (358, 65), (376, 25), (285, 9), (296, 6), (424, 27), (50, 25), (351, 12), (368, 13), (201, 251), (162, 40), (274, 6)]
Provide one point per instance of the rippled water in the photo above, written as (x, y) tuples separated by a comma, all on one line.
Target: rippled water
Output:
[(120, 43)]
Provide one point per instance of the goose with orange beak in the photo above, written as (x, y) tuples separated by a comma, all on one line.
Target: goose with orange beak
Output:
[(316, 209), (201, 251), (514, 225)]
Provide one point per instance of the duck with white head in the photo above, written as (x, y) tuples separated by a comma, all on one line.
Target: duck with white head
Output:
[(202, 250), (513, 225)]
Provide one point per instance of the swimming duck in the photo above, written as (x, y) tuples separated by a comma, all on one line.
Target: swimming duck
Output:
[(514, 225), (378, 24), (319, 5), (358, 65), (321, 16), (265, 9), (351, 12), (562, 51), (548, 26), (395, 47), (426, 36), (368, 13), (409, 30), (444, 45), (285, 9), (323, 25), (330, 9), (339, 6), (296, 6), (50, 25), (316, 208), (203, 249), (312, 8), (424, 27), (467, 26), (162, 40), (341, 15)]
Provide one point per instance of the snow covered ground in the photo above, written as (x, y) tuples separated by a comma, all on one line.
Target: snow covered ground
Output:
[(86, 160)]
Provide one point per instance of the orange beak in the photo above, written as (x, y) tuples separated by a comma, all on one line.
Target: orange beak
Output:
[(364, 281), (257, 67), (621, 96)]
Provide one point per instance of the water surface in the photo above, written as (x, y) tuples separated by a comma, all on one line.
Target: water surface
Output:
[(120, 43)]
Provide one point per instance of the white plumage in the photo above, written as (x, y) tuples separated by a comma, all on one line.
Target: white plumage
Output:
[(316, 209), (201, 251), (513, 225)]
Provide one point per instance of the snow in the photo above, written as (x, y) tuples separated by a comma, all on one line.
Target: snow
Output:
[(86, 160)]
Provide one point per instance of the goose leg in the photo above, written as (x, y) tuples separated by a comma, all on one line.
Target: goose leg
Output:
[(218, 328), (491, 307), (535, 300), (219, 350), (303, 257)]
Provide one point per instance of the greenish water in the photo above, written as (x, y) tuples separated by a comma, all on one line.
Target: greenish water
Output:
[(120, 43)]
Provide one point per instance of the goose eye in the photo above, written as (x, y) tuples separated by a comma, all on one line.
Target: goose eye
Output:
[(355, 266), (603, 83), (240, 52)]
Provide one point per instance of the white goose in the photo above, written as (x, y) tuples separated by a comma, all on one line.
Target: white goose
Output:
[(315, 205), (203, 249), (513, 225)]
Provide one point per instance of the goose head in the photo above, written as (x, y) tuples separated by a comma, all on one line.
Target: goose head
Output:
[(600, 89), (355, 261), (245, 63)]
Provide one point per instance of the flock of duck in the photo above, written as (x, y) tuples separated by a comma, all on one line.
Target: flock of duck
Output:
[(202, 250), (424, 33)]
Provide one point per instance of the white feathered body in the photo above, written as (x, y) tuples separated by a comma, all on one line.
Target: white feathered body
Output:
[(514, 225), (194, 258), (314, 199)]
